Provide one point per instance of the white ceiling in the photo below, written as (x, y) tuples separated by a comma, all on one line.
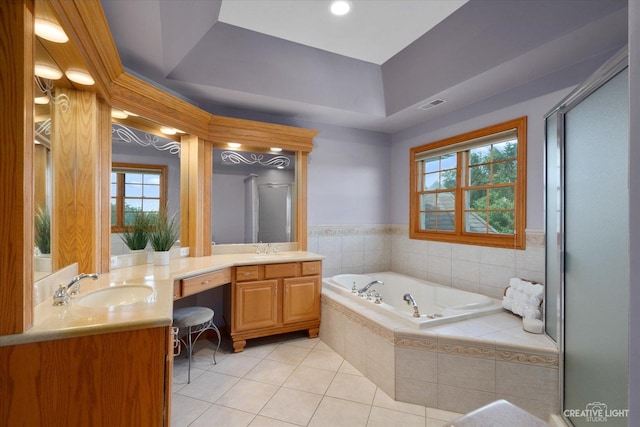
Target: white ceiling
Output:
[(290, 60), (373, 31)]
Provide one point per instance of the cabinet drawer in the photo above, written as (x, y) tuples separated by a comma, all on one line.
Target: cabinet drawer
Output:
[(195, 284), (247, 272), (275, 271), (311, 268)]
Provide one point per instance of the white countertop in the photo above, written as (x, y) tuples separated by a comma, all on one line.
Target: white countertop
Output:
[(57, 322)]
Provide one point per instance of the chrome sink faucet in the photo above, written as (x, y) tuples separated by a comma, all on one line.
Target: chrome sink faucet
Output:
[(61, 295)]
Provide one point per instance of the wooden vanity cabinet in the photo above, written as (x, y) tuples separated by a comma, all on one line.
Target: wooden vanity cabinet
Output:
[(118, 378), (275, 298)]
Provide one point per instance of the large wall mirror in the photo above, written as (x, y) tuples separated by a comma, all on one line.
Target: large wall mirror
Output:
[(145, 173), (253, 197)]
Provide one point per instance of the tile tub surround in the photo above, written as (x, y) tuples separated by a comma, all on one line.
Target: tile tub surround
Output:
[(368, 248), (454, 367)]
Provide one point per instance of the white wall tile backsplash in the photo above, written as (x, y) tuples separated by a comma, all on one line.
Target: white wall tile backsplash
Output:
[(371, 248)]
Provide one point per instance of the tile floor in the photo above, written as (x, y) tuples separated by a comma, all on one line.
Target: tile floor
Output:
[(288, 380)]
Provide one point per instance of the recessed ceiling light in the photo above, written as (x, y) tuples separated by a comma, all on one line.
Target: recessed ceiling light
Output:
[(50, 31), (279, 167), (118, 114), (41, 100), (340, 7), (234, 144), (47, 71), (167, 130), (80, 77), (275, 149)]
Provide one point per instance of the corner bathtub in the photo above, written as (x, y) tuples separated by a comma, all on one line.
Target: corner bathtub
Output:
[(437, 304)]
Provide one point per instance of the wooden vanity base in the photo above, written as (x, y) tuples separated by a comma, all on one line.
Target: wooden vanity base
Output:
[(270, 299)]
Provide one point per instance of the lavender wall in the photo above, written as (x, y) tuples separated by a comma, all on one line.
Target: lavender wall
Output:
[(348, 177), (534, 109)]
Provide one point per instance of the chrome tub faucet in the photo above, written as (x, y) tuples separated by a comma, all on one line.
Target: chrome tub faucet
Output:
[(369, 285), (412, 302)]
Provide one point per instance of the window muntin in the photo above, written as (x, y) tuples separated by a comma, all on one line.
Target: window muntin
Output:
[(136, 188), (471, 188)]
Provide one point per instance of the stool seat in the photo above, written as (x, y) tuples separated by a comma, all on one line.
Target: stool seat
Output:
[(191, 316), (194, 320)]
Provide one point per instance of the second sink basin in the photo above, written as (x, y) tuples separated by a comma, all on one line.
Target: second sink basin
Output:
[(115, 296)]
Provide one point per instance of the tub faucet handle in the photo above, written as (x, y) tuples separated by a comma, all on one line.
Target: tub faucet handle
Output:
[(378, 297), (354, 289)]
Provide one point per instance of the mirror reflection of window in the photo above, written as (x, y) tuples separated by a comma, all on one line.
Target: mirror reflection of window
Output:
[(145, 174), (136, 188)]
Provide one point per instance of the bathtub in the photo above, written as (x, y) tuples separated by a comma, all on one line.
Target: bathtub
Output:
[(437, 304)]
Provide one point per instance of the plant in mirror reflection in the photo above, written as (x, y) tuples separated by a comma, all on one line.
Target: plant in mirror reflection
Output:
[(164, 233), (43, 230), (136, 235)]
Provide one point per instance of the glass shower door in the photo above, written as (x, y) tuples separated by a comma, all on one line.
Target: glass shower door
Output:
[(596, 257)]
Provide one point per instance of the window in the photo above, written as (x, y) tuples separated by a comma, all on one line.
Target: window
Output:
[(136, 188), (471, 188)]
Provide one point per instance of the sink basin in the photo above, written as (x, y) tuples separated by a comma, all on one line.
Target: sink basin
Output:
[(115, 296)]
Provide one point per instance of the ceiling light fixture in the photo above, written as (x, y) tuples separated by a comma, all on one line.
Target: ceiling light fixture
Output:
[(50, 31), (275, 149), (234, 145), (80, 77), (47, 71), (167, 130), (340, 7), (118, 114), (41, 100)]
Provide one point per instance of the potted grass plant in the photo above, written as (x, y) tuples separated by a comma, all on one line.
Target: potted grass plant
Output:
[(163, 235), (137, 236), (42, 229)]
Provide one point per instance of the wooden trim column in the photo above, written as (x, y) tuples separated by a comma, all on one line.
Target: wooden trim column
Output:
[(16, 165), (80, 168), (302, 157), (196, 162)]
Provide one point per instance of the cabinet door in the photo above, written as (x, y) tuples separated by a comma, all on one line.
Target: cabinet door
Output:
[(301, 299), (256, 305)]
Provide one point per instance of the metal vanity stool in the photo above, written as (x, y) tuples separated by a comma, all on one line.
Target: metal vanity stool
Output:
[(194, 321)]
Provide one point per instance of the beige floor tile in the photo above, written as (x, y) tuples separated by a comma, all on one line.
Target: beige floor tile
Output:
[(260, 421), (180, 371), (340, 413), (184, 410), (305, 342), (321, 345), (383, 400), (258, 349), (383, 417), (271, 372), (249, 396), (209, 386), (348, 368), (433, 422), (441, 414), (237, 365), (292, 406), (323, 359), (222, 416), (312, 380), (352, 387), (288, 353)]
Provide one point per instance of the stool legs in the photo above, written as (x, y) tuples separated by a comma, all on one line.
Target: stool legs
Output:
[(199, 330)]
